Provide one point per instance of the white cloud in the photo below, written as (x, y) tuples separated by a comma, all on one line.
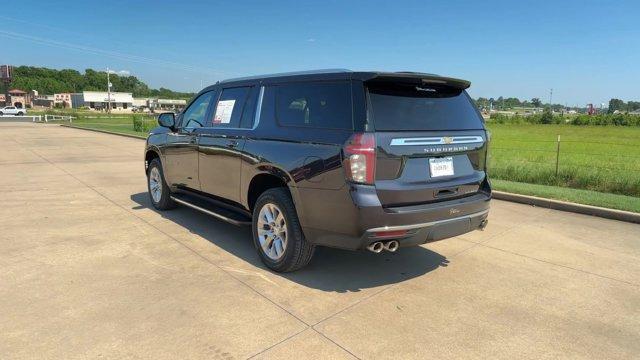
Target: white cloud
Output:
[(311, 40)]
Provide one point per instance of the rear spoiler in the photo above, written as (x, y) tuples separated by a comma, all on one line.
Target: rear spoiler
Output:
[(418, 78)]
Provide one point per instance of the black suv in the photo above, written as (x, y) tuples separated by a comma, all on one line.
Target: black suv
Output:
[(353, 160)]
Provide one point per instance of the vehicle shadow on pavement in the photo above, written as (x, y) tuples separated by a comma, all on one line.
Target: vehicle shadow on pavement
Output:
[(331, 270)]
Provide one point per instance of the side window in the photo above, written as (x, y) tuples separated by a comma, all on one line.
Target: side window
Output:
[(228, 110), (249, 113), (315, 105), (194, 116)]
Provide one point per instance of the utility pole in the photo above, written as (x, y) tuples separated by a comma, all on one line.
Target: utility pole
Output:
[(6, 77), (108, 93), (550, 97)]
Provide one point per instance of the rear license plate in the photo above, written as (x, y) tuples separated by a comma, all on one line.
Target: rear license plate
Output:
[(441, 166)]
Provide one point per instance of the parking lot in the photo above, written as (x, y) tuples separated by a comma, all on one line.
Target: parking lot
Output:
[(89, 270)]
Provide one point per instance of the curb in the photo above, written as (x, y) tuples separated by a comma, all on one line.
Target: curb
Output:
[(606, 213), (105, 132)]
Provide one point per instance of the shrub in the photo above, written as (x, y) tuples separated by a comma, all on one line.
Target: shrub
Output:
[(142, 124), (547, 116)]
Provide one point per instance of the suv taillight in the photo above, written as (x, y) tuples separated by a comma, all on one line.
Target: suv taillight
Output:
[(360, 158)]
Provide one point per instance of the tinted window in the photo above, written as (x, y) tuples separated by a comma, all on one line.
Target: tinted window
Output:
[(316, 105), (411, 107), (249, 113), (228, 110), (194, 115)]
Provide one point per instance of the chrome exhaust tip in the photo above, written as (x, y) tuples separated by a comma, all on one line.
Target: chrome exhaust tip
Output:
[(483, 224), (376, 247), (391, 246)]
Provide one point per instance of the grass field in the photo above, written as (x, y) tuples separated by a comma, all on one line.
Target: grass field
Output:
[(120, 123), (598, 165), (599, 158), (579, 196)]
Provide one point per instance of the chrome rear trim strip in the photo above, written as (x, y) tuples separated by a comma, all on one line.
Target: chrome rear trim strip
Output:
[(428, 224), (444, 140)]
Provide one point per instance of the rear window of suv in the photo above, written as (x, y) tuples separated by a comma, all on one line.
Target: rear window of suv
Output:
[(315, 105), (398, 106)]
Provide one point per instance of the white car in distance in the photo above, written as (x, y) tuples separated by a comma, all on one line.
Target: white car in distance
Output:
[(12, 110)]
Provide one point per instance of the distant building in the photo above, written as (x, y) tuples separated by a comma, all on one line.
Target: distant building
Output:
[(141, 103), (64, 99), (99, 100), (167, 104), (46, 101), (19, 98), (160, 104)]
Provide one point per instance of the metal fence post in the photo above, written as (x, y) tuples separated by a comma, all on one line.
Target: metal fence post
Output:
[(557, 155)]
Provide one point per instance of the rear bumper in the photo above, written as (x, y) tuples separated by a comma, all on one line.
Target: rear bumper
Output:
[(432, 231), (354, 225)]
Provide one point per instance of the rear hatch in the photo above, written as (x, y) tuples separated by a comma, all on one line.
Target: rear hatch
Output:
[(430, 138)]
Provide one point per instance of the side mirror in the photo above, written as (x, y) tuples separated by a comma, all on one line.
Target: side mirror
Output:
[(167, 120)]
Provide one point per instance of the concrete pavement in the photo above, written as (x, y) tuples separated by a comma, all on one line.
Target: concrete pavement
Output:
[(88, 270)]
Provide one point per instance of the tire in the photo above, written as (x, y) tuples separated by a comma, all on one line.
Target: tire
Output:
[(1, 113), (19, 114), (297, 251), (161, 199)]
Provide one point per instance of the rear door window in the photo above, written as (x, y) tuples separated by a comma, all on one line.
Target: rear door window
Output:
[(228, 110), (315, 105), (399, 107)]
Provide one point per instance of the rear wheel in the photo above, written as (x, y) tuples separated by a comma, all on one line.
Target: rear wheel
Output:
[(159, 192), (277, 234)]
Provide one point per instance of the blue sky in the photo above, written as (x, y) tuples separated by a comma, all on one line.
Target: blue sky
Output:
[(587, 51)]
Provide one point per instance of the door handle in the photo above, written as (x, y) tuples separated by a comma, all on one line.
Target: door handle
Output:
[(192, 140), (232, 143)]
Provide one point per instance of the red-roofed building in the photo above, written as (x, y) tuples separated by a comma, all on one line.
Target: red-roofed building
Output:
[(19, 98)]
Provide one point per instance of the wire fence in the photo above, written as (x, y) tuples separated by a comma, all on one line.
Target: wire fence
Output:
[(593, 165), (131, 123)]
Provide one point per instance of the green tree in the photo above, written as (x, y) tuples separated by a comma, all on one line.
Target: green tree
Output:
[(616, 104), (536, 102), (50, 81), (633, 105), (482, 103)]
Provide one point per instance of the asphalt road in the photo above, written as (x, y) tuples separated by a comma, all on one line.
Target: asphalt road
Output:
[(88, 270)]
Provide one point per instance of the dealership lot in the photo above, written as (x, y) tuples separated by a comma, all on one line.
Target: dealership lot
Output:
[(89, 270)]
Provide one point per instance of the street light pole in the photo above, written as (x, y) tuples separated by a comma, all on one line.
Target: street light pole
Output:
[(108, 93)]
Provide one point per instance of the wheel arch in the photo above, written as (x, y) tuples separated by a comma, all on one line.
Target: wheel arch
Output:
[(268, 177), (260, 183), (150, 154)]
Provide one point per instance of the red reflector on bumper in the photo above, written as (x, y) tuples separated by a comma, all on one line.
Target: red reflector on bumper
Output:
[(392, 233)]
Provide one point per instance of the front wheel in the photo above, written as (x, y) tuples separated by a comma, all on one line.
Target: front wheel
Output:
[(19, 114), (159, 192), (277, 234)]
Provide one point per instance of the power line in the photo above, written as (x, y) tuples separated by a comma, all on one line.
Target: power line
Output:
[(109, 53)]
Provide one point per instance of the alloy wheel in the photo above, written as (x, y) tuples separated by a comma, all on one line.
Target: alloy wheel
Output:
[(272, 231), (155, 184)]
